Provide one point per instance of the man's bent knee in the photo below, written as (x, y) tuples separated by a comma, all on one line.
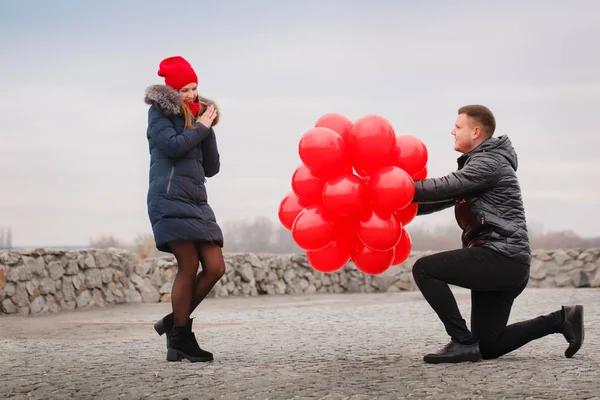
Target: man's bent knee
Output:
[(420, 268)]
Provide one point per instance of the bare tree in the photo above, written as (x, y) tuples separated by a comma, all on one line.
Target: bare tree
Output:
[(259, 235), (264, 235), (107, 241), (145, 247), (563, 239), (434, 238), (249, 235), (284, 241)]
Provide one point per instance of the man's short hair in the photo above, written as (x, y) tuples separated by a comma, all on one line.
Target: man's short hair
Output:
[(482, 115)]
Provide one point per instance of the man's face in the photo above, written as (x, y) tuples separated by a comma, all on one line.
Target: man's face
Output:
[(465, 133)]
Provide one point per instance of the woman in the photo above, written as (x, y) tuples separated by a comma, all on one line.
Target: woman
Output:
[(183, 152)]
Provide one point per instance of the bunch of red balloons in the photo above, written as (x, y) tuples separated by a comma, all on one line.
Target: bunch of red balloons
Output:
[(352, 195)]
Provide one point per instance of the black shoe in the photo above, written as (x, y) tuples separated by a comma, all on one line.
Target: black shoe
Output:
[(165, 325), (455, 352), (183, 344), (572, 328)]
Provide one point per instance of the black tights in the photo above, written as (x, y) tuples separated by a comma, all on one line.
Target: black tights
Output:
[(495, 281), (191, 287)]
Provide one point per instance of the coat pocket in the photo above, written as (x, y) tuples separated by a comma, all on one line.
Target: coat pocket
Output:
[(170, 178)]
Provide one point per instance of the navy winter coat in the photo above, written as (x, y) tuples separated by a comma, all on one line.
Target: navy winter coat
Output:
[(180, 161), (486, 196)]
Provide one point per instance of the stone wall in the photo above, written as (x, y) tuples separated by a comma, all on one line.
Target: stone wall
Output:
[(34, 281)]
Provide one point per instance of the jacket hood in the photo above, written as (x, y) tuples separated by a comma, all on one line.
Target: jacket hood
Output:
[(168, 101), (499, 145)]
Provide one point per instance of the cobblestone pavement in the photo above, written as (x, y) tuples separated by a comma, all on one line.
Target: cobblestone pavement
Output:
[(344, 346)]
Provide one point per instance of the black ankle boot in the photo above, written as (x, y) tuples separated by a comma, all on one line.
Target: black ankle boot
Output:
[(572, 328), (455, 352), (183, 344), (165, 325)]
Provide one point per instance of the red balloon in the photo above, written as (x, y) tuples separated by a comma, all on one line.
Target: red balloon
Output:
[(313, 228), (379, 231), (331, 258), (370, 261), (361, 173), (371, 144), (307, 186), (337, 123), (346, 195), (405, 215), (410, 154), (419, 176), (391, 188), (289, 208), (403, 248), (323, 151), (345, 230)]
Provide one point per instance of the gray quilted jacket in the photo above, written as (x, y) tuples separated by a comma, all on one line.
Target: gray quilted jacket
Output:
[(486, 196)]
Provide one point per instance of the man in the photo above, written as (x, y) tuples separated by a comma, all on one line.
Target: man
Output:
[(495, 258)]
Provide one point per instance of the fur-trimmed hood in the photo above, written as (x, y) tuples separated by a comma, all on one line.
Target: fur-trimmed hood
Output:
[(168, 101)]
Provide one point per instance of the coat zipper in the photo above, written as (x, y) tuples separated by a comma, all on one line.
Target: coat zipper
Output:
[(198, 185), (203, 217), (170, 177)]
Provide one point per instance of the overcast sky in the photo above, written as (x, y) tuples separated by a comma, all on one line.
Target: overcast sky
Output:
[(73, 151)]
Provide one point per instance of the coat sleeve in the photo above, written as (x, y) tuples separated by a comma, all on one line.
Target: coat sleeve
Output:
[(210, 155), (173, 144), (479, 174), (430, 208)]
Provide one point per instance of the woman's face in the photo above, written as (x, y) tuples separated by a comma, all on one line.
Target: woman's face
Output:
[(189, 92)]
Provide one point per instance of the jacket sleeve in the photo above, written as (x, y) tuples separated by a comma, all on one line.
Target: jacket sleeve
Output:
[(173, 144), (430, 208), (210, 155), (479, 174)]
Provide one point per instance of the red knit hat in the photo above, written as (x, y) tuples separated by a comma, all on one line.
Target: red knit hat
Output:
[(177, 72)]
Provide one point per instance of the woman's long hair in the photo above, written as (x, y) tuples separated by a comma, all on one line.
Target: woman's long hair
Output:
[(190, 119)]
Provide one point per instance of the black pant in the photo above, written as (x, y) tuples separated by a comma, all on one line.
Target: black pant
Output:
[(495, 281)]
